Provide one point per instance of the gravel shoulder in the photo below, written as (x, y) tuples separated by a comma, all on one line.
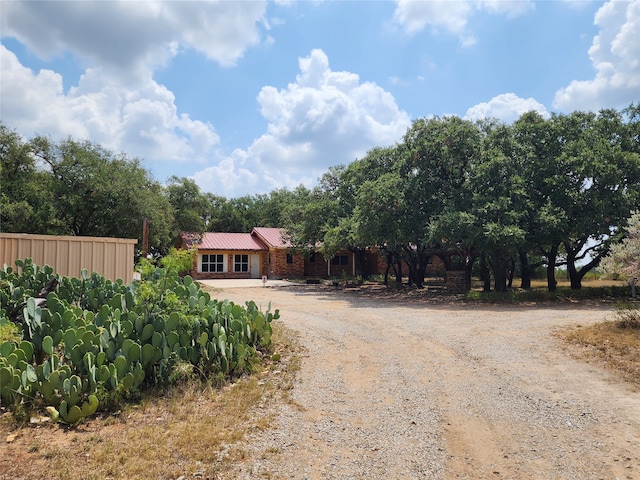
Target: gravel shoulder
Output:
[(420, 390)]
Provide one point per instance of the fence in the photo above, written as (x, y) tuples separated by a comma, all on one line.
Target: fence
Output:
[(110, 257)]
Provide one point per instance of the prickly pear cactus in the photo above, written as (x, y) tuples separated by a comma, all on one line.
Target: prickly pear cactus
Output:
[(92, 341)]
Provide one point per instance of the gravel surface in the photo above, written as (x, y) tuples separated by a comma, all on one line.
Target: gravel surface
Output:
[(434, 390)]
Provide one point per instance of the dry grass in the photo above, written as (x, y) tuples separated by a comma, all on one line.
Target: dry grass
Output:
[(192, 431), (614, 344), (587, 282)]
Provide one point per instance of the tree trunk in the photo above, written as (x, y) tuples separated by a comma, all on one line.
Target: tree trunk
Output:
[(361, 255), (415, 263), (468, 269), (499, 265), (422, 269), (399, 272), (574, 277), (552, 285), (500, 279), (512, 271), (484, 273), (389, 260), (525, 269)]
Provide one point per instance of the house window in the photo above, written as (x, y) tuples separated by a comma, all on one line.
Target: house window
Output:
[(289, 258), (340, 260), (241, 263), (312, 257), (212, 263)]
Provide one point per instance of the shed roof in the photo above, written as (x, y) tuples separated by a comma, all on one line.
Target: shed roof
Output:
[(223, 241), (273, 237)]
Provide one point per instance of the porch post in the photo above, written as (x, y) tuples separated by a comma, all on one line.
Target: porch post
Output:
[(353, 255)]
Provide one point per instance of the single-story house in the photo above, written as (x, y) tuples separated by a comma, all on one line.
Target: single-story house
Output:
[(266, 252), (263, 252), (226, 255)]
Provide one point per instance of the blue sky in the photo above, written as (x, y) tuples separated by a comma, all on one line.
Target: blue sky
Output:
[(248, 96)]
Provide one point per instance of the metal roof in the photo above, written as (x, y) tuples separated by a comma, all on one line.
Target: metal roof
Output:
[(272, 236), (223, 241)]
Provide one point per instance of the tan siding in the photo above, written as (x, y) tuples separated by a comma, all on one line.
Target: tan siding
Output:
[(229, 274), (110, 257)]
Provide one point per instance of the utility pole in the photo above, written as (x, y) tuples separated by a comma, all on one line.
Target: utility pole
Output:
[(145, 237)]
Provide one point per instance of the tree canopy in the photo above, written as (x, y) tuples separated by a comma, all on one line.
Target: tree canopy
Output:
[(541, 192), (538, 192)]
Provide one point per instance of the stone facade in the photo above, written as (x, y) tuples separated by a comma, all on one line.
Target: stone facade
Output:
[(315, 265), (284, 264), (434, 269)]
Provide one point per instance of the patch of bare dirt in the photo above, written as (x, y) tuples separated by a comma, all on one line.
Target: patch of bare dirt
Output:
[(408, 385), (428, 387)]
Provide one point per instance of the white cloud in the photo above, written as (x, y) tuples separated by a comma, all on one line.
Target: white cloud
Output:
[(27, 98), (140, 118), (452, 16), (221, 30), (132, 37), (414, 15), (324, 118), (225, 177), (116, 101), (506, 107), (615, 55)]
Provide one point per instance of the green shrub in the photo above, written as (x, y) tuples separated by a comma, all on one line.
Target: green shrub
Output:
[(542, 295)]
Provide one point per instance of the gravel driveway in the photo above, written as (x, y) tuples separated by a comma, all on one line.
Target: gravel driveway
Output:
[(419, 390)]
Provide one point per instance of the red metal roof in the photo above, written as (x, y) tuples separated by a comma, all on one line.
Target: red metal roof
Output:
[(272, 237), (223, 241)]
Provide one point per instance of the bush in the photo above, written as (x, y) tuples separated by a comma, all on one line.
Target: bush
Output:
[(627, 316), (542, 295)]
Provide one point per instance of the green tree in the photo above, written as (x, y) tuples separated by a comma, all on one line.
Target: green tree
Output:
[(99, 193), (435, 156), (309, 217), (26, 200), (267, 210), (230, 215), (545, 183), (345, 190), (379, 205), (499, 200), (191, 208), (602, 186)]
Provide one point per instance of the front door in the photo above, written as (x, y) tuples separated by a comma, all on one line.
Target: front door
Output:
[(255, 266)]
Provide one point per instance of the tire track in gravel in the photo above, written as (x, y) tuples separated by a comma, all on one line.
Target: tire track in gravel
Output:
[(442, 392)]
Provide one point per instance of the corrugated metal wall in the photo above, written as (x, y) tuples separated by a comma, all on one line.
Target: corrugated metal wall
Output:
[(110, 257)]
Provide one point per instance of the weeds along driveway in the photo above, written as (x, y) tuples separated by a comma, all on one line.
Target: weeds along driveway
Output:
[(407, 390)]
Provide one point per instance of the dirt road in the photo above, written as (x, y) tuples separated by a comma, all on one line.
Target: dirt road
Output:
[(425, 390)]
